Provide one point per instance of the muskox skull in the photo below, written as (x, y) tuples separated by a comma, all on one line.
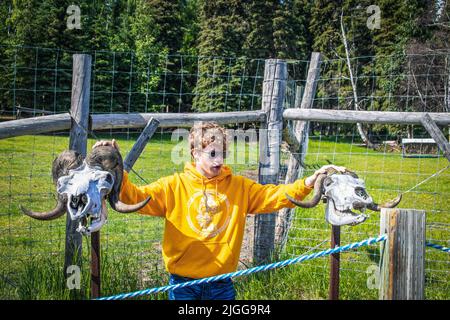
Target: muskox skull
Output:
[(343, 194), (83, 186)]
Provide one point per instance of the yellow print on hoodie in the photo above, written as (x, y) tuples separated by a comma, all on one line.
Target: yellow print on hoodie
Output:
[(208, 213)]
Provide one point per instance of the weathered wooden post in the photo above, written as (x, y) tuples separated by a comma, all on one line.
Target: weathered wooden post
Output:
[(335, 262), (296, 136), (273, 93), (79, 110), (95, 263), (402, 264), (140, 144), (436, 134)]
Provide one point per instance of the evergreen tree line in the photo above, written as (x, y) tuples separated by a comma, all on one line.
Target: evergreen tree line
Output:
[(200, 55)]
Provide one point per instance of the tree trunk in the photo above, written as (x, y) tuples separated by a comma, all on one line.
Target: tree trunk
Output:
[(410, 132), (359, 126)]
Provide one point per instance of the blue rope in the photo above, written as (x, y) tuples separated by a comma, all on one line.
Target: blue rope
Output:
[(436, 246), (249, 271)]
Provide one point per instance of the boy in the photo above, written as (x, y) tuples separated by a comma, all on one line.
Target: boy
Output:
[(205, 210)]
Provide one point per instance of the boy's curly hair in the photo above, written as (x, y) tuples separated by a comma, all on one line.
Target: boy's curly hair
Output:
[(204, 133)]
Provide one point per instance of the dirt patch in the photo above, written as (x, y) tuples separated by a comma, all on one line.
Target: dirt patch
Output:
[(246, 257)]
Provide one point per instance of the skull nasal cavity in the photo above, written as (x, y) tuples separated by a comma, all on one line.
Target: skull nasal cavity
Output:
[(360, 192)]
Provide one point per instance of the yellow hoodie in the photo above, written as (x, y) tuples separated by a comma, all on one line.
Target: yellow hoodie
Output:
[(205, 218)]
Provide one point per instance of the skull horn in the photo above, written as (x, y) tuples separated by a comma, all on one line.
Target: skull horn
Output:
[(66, 161), (57, 212), (318, 190), (390, 204), (119, 206)]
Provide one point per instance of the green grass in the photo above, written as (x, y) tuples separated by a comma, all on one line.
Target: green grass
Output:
[(31, 252)]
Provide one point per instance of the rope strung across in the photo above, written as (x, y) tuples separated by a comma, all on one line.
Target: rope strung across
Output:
[(251, 270), (438, 247)]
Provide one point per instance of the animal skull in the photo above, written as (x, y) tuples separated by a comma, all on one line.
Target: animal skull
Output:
[(344, 194), (83, 187)]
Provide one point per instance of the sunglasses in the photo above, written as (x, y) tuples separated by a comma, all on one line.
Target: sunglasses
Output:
[(214, 154)]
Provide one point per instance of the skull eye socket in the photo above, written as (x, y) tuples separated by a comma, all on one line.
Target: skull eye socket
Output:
[(109, 178), (74, 202), (361, 192)]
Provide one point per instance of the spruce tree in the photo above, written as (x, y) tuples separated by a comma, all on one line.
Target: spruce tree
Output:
[(37, 27), (223, 29), (399, 24), (167, 15), (6, 34), (190, 26), (259, 42), (290, 33), (190, 18), (168, 35), (5, 27)]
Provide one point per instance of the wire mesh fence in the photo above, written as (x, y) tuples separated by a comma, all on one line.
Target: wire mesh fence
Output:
[(36, 81)]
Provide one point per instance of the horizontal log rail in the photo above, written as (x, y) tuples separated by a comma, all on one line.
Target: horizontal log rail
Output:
[(35, 125), (167, 120), (379, 117), (58, 122)]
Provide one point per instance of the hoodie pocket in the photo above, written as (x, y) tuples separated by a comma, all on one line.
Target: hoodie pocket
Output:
[(205, 259)]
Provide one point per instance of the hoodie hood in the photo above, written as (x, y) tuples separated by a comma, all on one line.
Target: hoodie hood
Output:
[(191, 171)]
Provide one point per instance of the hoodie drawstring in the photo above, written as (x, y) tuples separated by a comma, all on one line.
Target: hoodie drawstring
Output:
[(205, 196)]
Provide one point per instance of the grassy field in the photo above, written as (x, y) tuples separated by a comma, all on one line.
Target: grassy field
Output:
[(31, 252)]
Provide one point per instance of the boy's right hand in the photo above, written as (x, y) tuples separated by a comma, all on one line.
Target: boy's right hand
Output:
[(112, 143)]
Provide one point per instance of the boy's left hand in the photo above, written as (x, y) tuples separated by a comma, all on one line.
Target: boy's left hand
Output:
[(309, 181)]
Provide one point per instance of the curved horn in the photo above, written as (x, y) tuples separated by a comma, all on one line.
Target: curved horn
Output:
[(119, 206), (318, 190), (65, 161), (390, 204), (57, 212)]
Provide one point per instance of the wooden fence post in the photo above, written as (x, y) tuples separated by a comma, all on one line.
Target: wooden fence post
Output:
[(140, 144), (436, 134), (273, 93), (95, 264), (81, 81), (297, 138), (335, 262), (402, 263)]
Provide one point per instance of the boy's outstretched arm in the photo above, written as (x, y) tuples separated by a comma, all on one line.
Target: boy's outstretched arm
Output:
[(269, 198), (130, 193)]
